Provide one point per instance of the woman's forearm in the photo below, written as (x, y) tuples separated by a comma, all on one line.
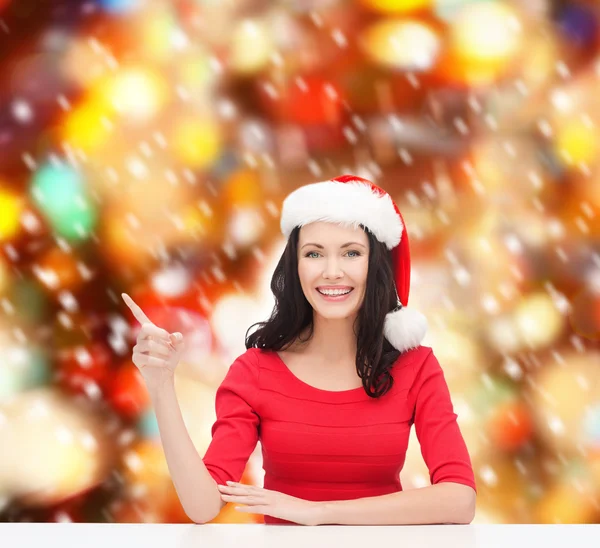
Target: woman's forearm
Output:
[(440, 503), (196, 489)]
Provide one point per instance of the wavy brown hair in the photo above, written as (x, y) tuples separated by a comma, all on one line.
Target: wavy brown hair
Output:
[(293, 314)]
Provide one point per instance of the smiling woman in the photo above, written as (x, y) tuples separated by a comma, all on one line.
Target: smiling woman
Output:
[(332, 383), (345, 272), (321, 262)]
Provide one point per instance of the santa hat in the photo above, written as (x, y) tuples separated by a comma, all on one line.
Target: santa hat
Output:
[(351, 200)]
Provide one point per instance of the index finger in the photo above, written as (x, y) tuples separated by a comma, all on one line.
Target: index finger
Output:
[(137, 311), (150, 330)]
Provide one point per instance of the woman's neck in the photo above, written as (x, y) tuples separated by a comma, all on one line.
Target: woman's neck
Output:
[(334, 341)]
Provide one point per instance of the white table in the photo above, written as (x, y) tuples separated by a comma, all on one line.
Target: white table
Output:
[(112, 535)]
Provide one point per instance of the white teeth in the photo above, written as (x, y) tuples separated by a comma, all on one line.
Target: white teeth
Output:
[(334, 292)]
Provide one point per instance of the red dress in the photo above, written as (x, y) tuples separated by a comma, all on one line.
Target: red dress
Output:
[(322, 445)]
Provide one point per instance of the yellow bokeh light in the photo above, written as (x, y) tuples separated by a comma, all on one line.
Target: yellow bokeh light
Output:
[(195, 71), (136, 93), (488, 32), (88, 126), (538, 321), (405, 44), (577, 142), (568, 501), (538, 65), (397, 6), (11, 206), (251, 46), (197, 143), (193, 221), (157, 32), (123, 247), (76, 450)]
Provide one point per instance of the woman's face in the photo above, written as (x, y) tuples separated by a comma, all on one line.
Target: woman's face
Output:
[(333, 263)]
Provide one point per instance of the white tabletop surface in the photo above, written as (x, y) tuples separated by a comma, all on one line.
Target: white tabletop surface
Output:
[(112, 535)]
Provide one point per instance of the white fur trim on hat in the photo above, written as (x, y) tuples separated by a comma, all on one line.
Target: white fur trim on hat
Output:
[(405, 328), (346, 203)]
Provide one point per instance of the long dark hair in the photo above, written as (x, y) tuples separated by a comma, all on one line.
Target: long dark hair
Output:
[(292, 314)]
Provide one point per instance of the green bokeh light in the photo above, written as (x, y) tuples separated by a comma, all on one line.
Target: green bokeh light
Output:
[(59, 192)]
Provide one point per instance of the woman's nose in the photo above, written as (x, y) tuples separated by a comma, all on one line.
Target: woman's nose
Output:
[(332, 269)]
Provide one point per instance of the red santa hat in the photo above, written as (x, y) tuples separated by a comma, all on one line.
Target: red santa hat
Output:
[(351, 200)]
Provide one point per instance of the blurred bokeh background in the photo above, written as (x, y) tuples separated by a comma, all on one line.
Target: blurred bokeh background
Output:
[(146, 146)]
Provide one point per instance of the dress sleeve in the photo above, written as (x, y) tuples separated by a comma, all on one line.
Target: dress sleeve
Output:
[(235, 431), (442, 445)]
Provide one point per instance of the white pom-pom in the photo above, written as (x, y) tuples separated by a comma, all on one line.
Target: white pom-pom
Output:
[(405, 328)]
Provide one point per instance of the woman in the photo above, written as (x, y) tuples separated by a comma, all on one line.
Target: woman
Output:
[(331, 384)]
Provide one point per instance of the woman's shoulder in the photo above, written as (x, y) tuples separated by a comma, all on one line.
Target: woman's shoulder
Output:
[(258, 369), (253, 360), (413, 356), (246, 365), (407, 366)]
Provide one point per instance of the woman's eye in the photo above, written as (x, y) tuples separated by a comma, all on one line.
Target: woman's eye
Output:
[(315, 254)]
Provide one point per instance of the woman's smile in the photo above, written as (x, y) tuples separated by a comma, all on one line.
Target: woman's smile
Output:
[(334, 294)]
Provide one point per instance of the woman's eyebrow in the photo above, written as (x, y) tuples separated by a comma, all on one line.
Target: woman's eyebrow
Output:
[(345, 245), (354, 243)]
